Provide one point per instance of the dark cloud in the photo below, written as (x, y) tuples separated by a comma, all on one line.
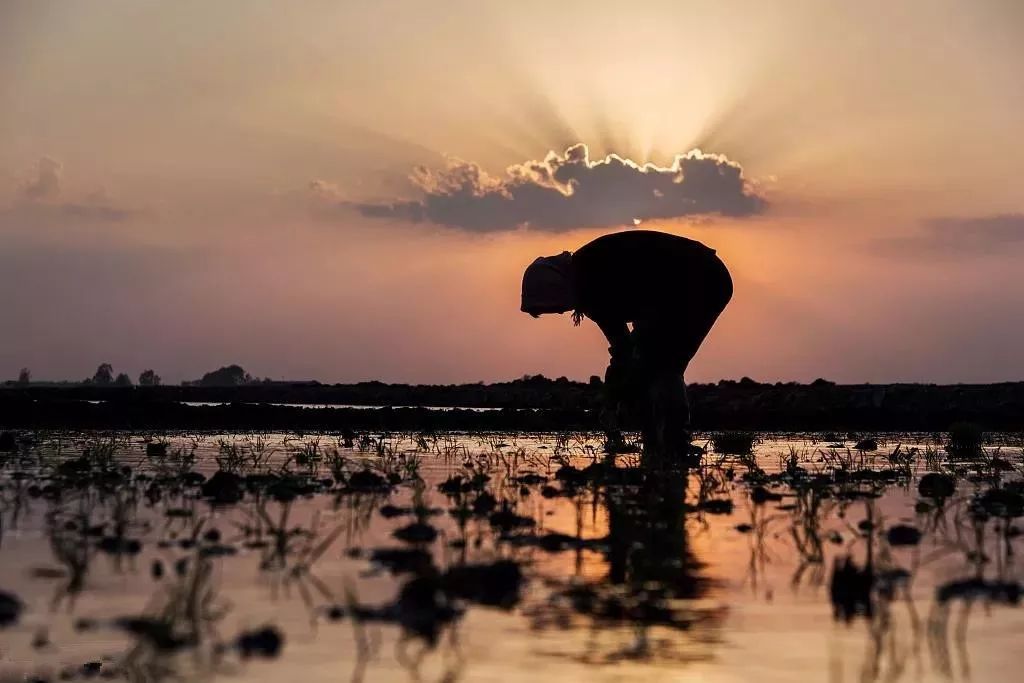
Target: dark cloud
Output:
[(977, 235), (46, 184), (563, 192)]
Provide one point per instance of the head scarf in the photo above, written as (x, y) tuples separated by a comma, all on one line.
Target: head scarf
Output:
[(547, 284)]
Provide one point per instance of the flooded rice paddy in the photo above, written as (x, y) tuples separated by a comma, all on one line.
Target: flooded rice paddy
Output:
[(486, 557)]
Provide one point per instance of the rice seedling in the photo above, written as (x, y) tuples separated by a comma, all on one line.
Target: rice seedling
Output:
[(562, 441), (364, 443), (932, 458), (790, 462), (186, 617), (424, 441), (72, 549), (308, 455), (901, 461), (846, 460), (178, 462), (259, 450), (338, 464), (101, 452), (397, 465), (230, 456), (450, 448)]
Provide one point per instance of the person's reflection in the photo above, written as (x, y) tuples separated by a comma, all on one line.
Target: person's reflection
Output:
[(650, 563)]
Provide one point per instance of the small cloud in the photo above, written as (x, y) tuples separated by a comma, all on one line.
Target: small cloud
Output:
[(40, 204), (322, 189), (570, 190), (95, 212), (46, 184), (954, 235)]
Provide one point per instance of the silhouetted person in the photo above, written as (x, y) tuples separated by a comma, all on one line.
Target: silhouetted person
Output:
[(671, 289)]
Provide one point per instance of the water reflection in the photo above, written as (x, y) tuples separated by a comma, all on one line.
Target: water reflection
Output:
[(151, 557), (650, 579)]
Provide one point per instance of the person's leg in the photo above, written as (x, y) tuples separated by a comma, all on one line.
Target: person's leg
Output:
[(615, 394), (664, 349), (661, 392), (616, 397)]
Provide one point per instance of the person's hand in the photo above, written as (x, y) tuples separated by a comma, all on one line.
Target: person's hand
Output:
[(618, 376)]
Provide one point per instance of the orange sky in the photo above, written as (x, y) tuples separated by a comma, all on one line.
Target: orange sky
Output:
[(183, 185)]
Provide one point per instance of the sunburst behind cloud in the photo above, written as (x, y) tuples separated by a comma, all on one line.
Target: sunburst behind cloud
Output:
[(570, 190)]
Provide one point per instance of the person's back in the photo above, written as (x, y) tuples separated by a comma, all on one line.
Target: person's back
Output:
[(632, 275)]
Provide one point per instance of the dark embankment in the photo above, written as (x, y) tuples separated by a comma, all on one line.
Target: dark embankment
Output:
[(529, 404), (530, 392)]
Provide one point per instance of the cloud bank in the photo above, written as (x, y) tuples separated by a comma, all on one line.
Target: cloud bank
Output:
[(971, 235), (568, 191), (39, 202)]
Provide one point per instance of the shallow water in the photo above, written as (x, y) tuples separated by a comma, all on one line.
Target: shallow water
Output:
[(529, 571)]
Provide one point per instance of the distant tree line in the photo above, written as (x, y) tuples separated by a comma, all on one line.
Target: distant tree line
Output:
[(235, 375), (228, 376), (105, 377)]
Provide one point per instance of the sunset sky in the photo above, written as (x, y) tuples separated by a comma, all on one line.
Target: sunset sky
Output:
[(350, 190)]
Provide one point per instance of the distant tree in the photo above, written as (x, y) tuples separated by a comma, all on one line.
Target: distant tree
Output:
[(24, 377), (227, 376), (104, 375), (148, 378), (123, 380)]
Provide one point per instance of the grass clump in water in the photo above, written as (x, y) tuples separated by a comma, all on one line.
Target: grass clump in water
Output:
[(734, 443), (965, 440)]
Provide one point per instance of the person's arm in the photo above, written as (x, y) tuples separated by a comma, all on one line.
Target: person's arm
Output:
[(617, 334)]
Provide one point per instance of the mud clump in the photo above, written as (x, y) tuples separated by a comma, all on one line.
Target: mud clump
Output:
[(417, 532), (759, 495), (223, 488), (8, 442), (734, 443), (936, 485), (866, 446), (1002, 503), (965, 440), (157, 633), (496, 585), (717, 506), (850, 590), (156, 449), (402, 560), (11, 608), (263, 642), (365, 480), (506, 520), (903, 535)]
